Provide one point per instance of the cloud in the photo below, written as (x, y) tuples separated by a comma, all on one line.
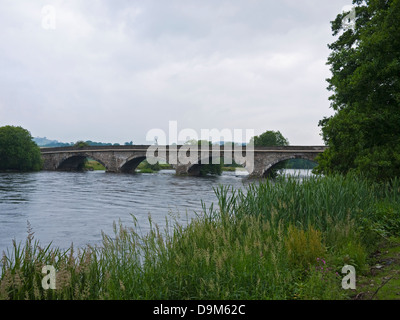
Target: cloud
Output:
[(113, 70)]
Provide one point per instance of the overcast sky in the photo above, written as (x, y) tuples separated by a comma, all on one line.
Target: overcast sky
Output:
[(112, 70)]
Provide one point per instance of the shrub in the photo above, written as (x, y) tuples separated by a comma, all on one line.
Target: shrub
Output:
[(18, 152)]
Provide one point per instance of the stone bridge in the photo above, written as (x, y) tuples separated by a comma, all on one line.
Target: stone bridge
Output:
[(185, 159)]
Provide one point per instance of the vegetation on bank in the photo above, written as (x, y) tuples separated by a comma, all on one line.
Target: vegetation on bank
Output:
[(146, 167), (287, 239), (382, 280), (17, 150), (93, 165)]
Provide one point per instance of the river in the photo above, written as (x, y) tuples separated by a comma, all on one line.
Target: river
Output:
[(75, 207)]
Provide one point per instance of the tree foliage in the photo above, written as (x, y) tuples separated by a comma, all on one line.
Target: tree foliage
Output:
[(81, 144), (18, 152), (270, 139), (364, 133)]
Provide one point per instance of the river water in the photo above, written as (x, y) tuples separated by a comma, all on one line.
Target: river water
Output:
[(67, 207)]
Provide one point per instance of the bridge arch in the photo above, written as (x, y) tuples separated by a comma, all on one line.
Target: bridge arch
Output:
[(76, 162), (267, 170), (195, 168), (132, 162)]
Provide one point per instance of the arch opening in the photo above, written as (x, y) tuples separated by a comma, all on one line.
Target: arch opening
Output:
[(130, 165), (141, 164), (80, 163), (206, 166), (292, 163)]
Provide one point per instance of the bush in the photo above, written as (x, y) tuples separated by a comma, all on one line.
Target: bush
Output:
[(18, 152)]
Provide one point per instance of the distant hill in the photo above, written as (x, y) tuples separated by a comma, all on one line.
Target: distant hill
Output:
[(44, 142)]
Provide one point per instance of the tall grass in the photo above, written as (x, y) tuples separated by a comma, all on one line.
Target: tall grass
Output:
[(286, 239), (318, 201)]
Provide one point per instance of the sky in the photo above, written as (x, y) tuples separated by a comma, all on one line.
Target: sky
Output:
[(115, 70)]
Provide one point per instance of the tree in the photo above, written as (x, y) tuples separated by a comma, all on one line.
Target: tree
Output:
[(18, 151), (364, 133), (271, 139), (81, 144)]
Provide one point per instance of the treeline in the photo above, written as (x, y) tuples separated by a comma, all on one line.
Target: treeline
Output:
[(44, 142)]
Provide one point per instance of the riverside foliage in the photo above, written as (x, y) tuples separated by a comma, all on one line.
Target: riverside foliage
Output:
[(287, 239), (364, 133), (18, 152)]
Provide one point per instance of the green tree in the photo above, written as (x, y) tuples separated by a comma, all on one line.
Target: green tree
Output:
[(364, 133), (271, 139), (81, 144), (18, 151)]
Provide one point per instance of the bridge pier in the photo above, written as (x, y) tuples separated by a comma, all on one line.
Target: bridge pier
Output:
[(182, 169)]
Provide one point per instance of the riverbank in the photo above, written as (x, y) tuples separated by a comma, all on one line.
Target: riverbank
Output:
[(287, 239), (382, 279)]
